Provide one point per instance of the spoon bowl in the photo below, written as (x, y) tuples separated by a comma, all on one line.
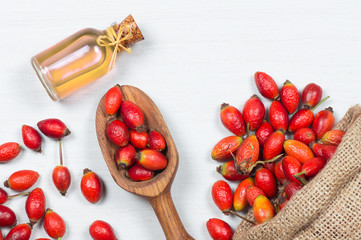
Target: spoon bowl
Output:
[(157, 189)]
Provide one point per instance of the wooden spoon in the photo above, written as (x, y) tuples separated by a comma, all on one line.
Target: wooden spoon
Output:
[(157, 189)]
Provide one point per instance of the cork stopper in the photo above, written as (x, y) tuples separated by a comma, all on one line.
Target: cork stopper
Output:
[(135, 33)]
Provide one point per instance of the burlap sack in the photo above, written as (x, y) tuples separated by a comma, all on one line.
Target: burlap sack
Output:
[(329, 206)]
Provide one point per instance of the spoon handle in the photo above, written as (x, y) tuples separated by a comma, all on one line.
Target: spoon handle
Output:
[(168, 217)]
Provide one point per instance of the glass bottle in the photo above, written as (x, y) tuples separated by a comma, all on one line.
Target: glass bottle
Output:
[(83, 57)]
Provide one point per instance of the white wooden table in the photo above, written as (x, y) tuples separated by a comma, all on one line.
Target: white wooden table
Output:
[(196, 55)]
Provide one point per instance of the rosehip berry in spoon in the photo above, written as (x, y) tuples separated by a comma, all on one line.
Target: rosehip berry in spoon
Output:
[(100, 230), (156, 141), (139, 173), (118, 133), (151, 159), (263, 132), (247, 155), (20, 232), (54, 225), (31, 138), (323, 122), (219, 229), (265, 181), (240, 197), (290, 97), (303, 117), (292, 166), (222, 196), (278, 116), (61, 175), (9, 151), (232, 119), (91, 186), (4, 197), (305, 135), (224, 149), (138, 139), (21, 180), (333, 137), (328, 151), (298, 149), (53, 128), (252, 193), (253, 113), (290, 189), (125, 156), (7, 217), (312, 167), (263, 209), (113, 99), (35, 205), (229, 172), (274, 145), (132, 115), (266, 85), (311, 95)]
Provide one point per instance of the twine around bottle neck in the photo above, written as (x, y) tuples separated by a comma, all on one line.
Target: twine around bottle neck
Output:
[(115, 39)]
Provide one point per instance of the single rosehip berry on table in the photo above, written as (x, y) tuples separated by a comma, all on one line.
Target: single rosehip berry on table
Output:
[(305, 135), (240, 195), (323, 122), (53, 128), (290, 97), (311, 95), (232, 119), (222, 196), (253, 113), (20, 232), (31, 138), (91, 186), (229, 172), (219, 229), (35, 205), (21, 180), (7, 217), (278, 116), (100, 230), (266, 85), (224, 149), (263, 132), (9, 151), (54, 225)]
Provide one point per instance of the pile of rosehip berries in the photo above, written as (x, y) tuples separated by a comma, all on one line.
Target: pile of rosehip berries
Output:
[(131, 135), (35, 205), (278, 159)]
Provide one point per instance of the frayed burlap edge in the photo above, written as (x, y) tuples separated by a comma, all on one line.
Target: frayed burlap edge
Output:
[(328, 207)]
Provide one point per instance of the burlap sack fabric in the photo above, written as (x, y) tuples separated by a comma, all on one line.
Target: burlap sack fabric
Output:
[(329, 206)]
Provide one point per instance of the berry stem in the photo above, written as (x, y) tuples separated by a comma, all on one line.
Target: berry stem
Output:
[(19, 194), (60, 153), (245, 219), (318, 104), (300, 173)]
